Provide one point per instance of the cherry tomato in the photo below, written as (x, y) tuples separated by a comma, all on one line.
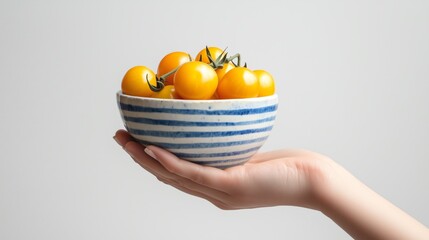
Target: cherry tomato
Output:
[(239, 82), (214, 96), (223, 70), (195, 80), (134, 82), (171, 61), (266, 83), (215, 52), (168, 92)]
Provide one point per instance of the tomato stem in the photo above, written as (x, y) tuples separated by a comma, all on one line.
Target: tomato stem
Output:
[(163, 77), (219, 61), (159, 84), (230, 59)]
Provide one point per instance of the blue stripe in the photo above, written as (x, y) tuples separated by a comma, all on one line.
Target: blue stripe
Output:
[(197, 134), (202, 145), (197, 124), (135, 108), (212, 155)]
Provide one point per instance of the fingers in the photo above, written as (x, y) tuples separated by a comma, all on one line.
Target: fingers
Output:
[(122, 137), (137, 152), (217, 202), (207, 176)]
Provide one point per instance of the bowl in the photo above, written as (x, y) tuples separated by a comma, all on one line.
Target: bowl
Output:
[(221, 133)]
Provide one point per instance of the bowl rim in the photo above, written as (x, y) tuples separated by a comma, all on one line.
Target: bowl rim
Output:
[(255, 99)]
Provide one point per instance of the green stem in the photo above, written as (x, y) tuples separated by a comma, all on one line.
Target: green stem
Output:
[(163, 77), (230, 59), (159, 84)]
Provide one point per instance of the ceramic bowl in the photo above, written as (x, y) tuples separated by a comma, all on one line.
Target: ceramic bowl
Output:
[(218, 133)]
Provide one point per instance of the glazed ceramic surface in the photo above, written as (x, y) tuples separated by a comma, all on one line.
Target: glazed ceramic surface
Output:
[(218, 133)]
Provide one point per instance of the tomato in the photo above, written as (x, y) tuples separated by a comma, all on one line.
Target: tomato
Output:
[(239, 82), (214, 96), (135, 81), (223, 70), (215, 52), (171, 61), (266, 83), (195, 80), (168, 92)]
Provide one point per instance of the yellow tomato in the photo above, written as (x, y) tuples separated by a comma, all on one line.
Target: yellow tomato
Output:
[(215, 52), (239, 82), (223, 70), (135, 81), (171, 61), (195, 80), (214, 96), (168, 92), (266, 83)]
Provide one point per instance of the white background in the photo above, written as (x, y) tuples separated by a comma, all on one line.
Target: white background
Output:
[(353, 82)]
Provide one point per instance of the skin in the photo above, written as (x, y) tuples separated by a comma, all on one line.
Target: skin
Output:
[(283, 178)]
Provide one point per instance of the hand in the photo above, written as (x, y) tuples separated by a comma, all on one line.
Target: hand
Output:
[(284, 177)]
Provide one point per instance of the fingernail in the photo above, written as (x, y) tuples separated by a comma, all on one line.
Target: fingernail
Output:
[(150, 153)]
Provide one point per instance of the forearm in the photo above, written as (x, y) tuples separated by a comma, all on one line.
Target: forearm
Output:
[(364, 214)]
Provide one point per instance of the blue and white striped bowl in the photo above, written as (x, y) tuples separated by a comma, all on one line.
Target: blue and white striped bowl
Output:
[(218, 133)]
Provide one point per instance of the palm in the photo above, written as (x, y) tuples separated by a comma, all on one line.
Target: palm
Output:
[(274, 178)]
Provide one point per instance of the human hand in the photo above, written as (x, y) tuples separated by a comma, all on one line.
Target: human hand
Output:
[(284, 177)]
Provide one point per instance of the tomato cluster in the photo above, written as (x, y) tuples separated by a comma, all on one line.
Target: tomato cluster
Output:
[(211, 75)]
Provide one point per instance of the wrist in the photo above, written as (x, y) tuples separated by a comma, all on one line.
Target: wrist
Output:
[(360, 211)]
